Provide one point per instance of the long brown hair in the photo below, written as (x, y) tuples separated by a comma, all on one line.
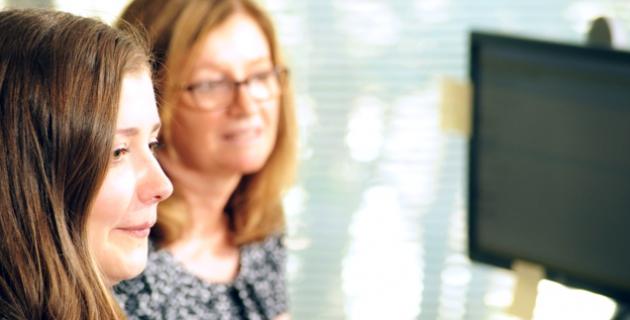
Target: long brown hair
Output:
[(175, 27), (60, 83)]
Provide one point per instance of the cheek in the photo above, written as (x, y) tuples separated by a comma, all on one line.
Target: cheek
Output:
[(113, 198), (196, 137), (192, 127), (110, 207)]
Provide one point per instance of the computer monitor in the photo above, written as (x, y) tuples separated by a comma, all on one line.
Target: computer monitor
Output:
[(549, 160)]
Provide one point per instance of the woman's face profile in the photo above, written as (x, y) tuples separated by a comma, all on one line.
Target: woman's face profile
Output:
[(125, 207), (240, 136)]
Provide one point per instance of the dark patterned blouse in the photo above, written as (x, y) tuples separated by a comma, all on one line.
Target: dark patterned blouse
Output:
[(165, 290)]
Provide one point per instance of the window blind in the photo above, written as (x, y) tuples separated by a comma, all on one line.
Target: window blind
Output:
[(377, 221)]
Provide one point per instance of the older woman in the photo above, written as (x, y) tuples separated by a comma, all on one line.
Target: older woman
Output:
[(230, 140)]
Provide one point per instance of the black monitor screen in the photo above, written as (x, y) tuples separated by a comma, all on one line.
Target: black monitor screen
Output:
[(549, 166)]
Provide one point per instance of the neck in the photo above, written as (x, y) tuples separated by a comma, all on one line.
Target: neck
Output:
[(205, 194)]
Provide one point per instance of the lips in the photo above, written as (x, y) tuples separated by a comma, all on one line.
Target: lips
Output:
[(243, 135), (141, 230)]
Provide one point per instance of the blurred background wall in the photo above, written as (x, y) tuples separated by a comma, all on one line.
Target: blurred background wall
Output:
[(377, 218)]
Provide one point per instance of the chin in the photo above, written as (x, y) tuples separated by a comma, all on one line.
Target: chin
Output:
[(128, 270), (127, 264), (136, 261), (251, 166), (253, 162)]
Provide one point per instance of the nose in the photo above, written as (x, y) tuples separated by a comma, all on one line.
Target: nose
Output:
[(154, 186), (243, 104)]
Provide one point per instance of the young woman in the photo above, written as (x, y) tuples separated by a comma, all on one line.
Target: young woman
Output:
[(230, 137), (79, 185)]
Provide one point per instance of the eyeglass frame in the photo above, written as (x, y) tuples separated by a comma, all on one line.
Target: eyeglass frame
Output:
[(280, 73)]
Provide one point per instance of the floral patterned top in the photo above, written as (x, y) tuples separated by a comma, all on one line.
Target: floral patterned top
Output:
[(165, 290)]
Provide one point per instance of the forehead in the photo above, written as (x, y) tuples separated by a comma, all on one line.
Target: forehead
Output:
[(137, 101), (238, 40)]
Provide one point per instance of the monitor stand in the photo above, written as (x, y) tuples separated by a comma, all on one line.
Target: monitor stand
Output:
[(527, 277)]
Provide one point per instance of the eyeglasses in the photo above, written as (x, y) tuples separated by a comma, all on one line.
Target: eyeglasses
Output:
[(214, 95)]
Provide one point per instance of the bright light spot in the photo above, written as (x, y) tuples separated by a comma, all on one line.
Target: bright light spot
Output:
[(379, 214), (292, 31), (294, 264), (500, 293), (455, 279), (107, 11), (294, 202), (499, 298), (451, 312), (371, 295), (276, 5), (580, 14), (361, 18), (458, 276), (365, 129), (382, 261), (503, 316), (432, 11), (414, 136), (556, 301)]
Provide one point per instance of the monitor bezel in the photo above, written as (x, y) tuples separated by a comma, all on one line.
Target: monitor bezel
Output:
[(475, 252)]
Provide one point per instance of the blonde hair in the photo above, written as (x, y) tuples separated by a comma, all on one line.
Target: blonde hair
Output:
[(175, 27), (60, 83)]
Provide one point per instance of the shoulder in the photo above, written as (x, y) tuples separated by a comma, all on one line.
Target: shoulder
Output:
[(130, 293), (268, 252), (264, 269), (272, 244)]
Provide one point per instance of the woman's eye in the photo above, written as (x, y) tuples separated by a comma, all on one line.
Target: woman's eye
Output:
[(155, 146), (119, 153), (261, 76), (211, 86)]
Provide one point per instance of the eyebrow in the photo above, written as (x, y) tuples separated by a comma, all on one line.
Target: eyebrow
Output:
[(249, 64), (134, 131), (259, 61)]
